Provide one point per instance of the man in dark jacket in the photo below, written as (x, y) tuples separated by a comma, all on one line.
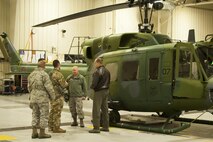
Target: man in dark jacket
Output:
[(100, 84)]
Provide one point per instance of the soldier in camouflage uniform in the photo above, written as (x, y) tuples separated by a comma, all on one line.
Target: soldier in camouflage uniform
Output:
[(41, 91), (59, 84), (77, 92)]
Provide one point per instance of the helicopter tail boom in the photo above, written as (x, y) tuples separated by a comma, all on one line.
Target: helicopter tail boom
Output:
[(9, 51)]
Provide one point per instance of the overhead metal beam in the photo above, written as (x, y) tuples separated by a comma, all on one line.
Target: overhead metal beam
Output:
[(208, 5)]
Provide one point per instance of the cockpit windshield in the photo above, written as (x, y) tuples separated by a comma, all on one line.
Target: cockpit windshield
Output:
[(205, 55), (162, 39)]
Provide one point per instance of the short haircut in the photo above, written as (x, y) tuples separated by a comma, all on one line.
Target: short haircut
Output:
[(75, 67), (55, 63), (99, 60), (41, 62), (41, 59)]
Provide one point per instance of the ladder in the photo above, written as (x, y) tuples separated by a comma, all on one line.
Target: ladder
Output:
[(80, 40)]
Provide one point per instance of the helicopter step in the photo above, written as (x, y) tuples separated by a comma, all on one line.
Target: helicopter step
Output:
[(144, 119), (199, 121), (210, 111), (146, 123), (163, 127)]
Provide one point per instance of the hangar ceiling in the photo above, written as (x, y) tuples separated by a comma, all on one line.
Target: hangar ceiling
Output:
[(200, 4), (207, 5)]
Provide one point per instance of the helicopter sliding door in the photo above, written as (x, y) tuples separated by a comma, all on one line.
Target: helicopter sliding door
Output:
[(132, 81)]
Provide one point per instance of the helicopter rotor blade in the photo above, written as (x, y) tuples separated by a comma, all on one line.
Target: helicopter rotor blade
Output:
[(88, 13)]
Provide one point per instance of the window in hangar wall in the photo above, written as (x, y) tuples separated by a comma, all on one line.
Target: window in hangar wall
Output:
[(32, 56)]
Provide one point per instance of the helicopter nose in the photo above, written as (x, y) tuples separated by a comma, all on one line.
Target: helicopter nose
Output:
[(209, 88)]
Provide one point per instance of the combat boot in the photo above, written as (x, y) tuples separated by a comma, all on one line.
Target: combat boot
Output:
[(43, 135), (94, 131), (50, 129), (35, 133), (58, 130), (81, 123), (74, 123)]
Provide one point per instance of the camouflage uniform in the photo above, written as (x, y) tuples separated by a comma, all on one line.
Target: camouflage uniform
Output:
[(41, 91), (59, 84), (77, 90)]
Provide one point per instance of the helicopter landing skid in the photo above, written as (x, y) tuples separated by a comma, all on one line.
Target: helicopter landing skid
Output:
[(165, 127)]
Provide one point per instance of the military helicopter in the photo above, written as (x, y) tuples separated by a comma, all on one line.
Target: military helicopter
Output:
[(149, 73)]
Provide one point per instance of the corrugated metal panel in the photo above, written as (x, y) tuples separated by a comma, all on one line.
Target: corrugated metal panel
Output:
[(4, 26), (24, 14), (4, 14), (191, 18)]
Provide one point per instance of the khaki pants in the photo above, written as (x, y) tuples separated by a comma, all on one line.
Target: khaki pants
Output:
[(100, 105)]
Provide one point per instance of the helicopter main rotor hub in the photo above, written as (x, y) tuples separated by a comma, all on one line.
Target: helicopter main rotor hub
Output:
[(146, 26)]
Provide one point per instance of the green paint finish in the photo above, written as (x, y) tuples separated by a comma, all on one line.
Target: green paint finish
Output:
[(148, 72), (187, 88)]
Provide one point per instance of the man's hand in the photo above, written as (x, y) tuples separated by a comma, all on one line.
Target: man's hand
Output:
[(66, 97), (31, 105)]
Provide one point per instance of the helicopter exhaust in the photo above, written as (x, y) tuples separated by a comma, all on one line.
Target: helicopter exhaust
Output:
[(191, 36)]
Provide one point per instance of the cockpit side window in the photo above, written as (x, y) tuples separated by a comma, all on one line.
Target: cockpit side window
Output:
[(205, 54), (184, 64), (187, 65)]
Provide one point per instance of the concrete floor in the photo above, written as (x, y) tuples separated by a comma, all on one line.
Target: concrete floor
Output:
[(15, 120)]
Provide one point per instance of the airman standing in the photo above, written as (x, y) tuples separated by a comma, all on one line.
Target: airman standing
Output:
[(77, 92), (41, 91), (59, 84)]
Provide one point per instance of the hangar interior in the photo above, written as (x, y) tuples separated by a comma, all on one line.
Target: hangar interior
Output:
[(17, 18)]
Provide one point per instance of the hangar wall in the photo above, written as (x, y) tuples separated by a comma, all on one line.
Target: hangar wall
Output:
[(4, 15), (23, 14), (18, 16), (103, 23), (185, 18)]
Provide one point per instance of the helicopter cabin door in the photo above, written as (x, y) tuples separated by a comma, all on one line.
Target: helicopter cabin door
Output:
[(188, 84), (153, 85)]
